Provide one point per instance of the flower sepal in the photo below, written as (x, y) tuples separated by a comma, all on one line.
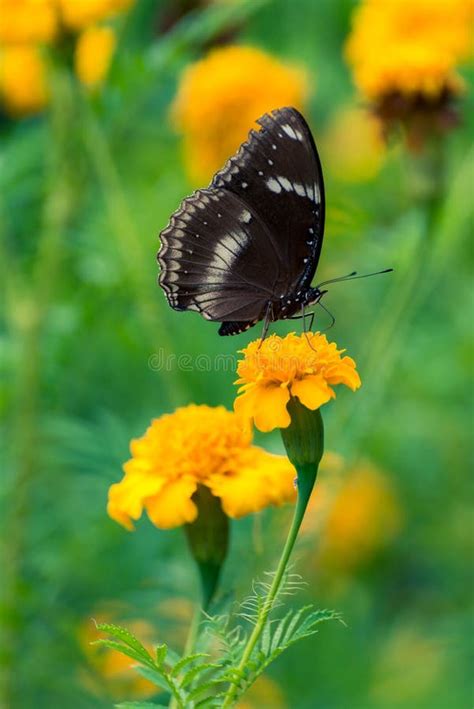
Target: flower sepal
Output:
[(208, 540)]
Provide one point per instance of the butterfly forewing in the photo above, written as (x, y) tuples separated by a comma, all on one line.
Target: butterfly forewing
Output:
[(277, 172), (212, 255)]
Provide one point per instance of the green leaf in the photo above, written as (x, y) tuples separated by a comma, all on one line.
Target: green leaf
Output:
[(125, 636), (120, 647), (161, 651), (154, 676), (186, 661), (194, 672)]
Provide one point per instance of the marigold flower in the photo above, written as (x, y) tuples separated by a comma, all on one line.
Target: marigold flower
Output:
[(409, 48), (24, 21), (219, 98), (305, 366), (77, 14), (94, 51), (198, 445), (23, 88)]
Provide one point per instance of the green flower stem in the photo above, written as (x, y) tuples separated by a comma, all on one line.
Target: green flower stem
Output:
[(306, 479), (190, 644)]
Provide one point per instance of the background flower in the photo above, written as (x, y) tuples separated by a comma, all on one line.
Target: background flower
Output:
[(94, 50), (304, 366), (198, 445), (409, 48), (23, 86), (220, 97)]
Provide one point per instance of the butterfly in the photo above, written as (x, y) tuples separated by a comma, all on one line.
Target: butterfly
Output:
[(246, 248)]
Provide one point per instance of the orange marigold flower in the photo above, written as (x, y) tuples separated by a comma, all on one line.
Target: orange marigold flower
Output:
[(304, 366), (77, 14), (27, 21), (23, 87), (198, 445), (409, 48), (94, 51), (220, 97)]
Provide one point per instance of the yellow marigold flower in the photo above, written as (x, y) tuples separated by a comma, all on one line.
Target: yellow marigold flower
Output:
[(305, 367), (220, 97), (23, 87), (77, 14), (94, 51), (409, 47), (23, 21), (198, 445)]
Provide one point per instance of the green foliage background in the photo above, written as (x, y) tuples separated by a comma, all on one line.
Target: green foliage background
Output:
[(84, 191)]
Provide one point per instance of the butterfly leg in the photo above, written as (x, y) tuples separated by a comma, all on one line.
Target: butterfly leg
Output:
[(302, 317), (266, 323)]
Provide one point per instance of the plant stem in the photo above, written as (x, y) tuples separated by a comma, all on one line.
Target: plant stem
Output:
[(189, 645), (306, 478)]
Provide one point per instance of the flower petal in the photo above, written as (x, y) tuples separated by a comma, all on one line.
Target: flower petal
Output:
[(312, 391), (266, 405), (126, 498), (173, 505), (262, 479)]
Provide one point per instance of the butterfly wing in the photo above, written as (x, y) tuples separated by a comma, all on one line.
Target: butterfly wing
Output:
[(219, 259), (277, 172)]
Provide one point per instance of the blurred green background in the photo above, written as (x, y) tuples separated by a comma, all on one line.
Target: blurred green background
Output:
[(85, 188)]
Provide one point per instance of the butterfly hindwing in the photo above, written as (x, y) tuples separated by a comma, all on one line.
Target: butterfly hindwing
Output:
[(212, 255)]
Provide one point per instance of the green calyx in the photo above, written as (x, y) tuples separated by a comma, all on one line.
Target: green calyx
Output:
[(208, 540), (304, 437)]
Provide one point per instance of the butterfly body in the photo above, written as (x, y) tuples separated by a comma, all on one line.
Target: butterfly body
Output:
[(246, 248)]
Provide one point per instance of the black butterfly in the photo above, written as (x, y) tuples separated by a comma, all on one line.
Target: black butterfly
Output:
[(246, 248)]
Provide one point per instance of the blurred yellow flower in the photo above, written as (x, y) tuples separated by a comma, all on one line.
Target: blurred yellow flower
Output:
[(23, 21), (23, 87), (111, 670), (221, 96), (198, 445), (409, 47), (93, 55), (77, 14), (278, 368), (361, 517), (354, 145)]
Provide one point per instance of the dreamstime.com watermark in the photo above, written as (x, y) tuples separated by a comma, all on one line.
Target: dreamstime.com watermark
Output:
[(162, 361)]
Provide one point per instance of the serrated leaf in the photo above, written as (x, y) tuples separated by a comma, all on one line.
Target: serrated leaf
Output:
[(194, 672), (160, 652), (116, 631), (279, 630), (211, 684), (128, 651), (154, 676), (186, 661)]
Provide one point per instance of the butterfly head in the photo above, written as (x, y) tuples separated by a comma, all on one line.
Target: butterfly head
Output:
[(313, 296)]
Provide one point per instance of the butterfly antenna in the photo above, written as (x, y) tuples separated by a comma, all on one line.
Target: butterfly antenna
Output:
[(353, 276)]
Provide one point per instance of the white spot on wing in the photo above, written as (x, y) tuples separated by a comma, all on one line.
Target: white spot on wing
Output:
[(273, 185), (299, 189), (245, 216), (291, 132)]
